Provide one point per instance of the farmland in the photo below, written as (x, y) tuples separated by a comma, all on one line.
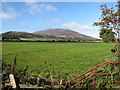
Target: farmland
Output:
[(57, 59)]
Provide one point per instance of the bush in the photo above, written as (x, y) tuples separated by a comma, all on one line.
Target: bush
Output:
[(20, 74)]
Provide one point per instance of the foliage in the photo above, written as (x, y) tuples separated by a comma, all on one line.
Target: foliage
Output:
[(108, 18), (102, 81), (109, 21), (106, 76), (20, 74), (107, 35)]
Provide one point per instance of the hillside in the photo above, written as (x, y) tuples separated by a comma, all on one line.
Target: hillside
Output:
[(63, 33), (14, 34), (48, 34)]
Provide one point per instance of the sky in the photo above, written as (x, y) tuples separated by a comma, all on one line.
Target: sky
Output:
[(34, 16)]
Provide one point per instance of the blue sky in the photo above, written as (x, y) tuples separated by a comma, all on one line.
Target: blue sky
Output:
[(34, 16)]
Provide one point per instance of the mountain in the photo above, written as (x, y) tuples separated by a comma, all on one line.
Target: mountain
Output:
[(48, 34), (14, 34), (63, 33)]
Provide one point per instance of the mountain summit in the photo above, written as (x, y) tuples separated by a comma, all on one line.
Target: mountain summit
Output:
[(65, 33), (48, 34)]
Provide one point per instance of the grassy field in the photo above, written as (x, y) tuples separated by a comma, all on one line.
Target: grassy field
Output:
[(57, 59)]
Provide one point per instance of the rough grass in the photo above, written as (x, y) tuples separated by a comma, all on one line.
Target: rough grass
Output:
[(57, 60)]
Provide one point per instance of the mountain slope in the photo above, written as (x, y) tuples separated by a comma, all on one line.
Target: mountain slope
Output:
[(14, 34), (49, 34), (62, 33)]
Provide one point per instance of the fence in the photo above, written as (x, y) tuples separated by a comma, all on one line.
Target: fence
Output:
[(94, 74)]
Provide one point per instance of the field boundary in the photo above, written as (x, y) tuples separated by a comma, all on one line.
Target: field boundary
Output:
[(94, 74)]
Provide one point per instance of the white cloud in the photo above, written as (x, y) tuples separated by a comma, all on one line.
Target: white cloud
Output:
[(4, 15), (48, 7), (24, 24), (54, 21), (35, 7), (76, 26), (8, 12)]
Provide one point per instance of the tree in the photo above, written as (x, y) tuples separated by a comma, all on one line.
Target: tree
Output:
[(107, 35), (110, 19)]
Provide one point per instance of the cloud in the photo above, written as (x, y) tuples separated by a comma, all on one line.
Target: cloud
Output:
[(8, 12), (54, 21), (76, 26), (4, 15), (24, 24), (35, 7)]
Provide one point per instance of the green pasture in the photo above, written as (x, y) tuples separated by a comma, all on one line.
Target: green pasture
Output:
[(57, 59)]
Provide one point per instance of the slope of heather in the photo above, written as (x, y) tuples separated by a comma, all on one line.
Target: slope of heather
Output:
[(14, 34), (56, 34), (62, 33)]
